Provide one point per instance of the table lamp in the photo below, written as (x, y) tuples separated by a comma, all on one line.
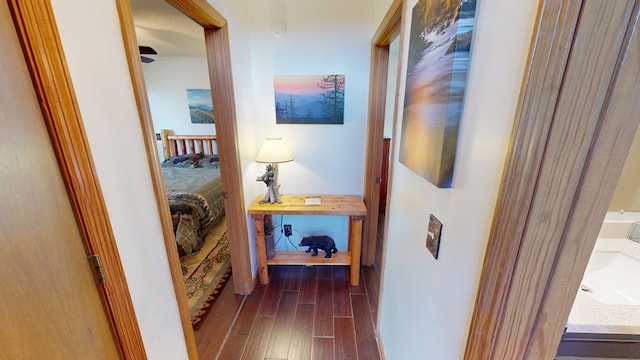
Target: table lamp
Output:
[(273, 152)]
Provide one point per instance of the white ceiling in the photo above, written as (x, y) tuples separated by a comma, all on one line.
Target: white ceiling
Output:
[(167, 30)]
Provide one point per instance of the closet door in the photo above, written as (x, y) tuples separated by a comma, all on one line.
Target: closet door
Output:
[(50, 306)]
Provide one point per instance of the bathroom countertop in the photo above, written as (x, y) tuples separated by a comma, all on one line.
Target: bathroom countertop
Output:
[(591, 316)]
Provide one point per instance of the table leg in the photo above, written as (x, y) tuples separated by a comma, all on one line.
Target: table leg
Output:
[(261, 250), (355, 245)]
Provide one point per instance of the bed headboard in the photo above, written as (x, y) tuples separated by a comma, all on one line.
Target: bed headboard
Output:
[(173, 145)]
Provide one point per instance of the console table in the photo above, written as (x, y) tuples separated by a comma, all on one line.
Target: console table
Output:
[(347, 205)]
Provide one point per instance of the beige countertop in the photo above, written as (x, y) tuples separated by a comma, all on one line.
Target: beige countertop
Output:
[(591, 316)]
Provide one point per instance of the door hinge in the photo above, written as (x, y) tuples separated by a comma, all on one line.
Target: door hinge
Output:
[(378, 180), (225, 194), (96, 265)]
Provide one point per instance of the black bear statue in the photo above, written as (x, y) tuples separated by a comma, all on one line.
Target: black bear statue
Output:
[(321, 242)]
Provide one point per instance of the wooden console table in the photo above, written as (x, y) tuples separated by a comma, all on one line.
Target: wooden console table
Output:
[(347, 205)]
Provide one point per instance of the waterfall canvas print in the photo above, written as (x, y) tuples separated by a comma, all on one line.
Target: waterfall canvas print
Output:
[(439, 49), (309, 99)]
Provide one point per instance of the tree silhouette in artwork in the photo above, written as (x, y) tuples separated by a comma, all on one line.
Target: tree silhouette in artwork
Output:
[(291, 108), (333, 98), (286, 109), (281, 111)]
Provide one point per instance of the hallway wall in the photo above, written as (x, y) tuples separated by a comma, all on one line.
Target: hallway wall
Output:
[(426, 303)]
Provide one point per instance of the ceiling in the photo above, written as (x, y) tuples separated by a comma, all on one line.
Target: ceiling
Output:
[(168, 31)]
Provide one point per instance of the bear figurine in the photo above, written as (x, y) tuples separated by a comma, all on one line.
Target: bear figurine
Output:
[(322, 242)]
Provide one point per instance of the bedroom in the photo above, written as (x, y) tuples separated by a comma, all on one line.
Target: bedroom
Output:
[(177, 83)]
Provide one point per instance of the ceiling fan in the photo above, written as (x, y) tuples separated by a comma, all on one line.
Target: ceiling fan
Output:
[(147, 50)]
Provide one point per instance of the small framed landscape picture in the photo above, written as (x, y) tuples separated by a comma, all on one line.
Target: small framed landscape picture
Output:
[(433, 235), (200, 106)]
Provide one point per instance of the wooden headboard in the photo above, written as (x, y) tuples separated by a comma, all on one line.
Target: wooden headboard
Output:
[(173, 145)]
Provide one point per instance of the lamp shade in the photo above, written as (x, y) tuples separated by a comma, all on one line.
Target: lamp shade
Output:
[(274, 151)]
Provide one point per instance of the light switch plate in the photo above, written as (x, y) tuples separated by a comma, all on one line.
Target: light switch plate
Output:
[(433, 235)]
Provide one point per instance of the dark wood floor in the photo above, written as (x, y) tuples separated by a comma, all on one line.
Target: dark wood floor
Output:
[(304, 313)]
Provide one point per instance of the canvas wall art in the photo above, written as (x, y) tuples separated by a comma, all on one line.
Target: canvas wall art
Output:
[(309, 99), (439, 49), (200, 106)]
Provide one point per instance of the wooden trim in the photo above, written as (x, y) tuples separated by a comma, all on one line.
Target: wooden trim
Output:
[(379, 342), (567, 153), (219, 60), (388, 29), (201, 12), (46, 61), (303, 258), (142, 101), (390, 25)]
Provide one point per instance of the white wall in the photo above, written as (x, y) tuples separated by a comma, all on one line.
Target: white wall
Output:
[(92, 41), (627, 194), (426, 303), (322, 37), (167, 80), (327, 37)]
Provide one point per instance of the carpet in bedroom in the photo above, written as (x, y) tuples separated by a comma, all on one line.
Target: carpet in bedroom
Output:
[(206, 273)]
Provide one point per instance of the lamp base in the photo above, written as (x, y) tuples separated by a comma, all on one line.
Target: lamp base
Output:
[(272, 196), (270, 177)]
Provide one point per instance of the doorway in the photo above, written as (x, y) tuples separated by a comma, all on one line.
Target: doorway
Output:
[(220, 76), (381, 122), (604, 320), (387, 143), (567, 151)]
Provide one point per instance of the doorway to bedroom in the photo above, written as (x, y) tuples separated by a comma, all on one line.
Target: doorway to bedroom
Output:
[(175, 67), (217, 60)]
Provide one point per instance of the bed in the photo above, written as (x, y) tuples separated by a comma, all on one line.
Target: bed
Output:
[(191, 171)]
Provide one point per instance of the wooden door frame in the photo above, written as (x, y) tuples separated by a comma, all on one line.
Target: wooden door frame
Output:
[(574, 125), (389, 28), (38, 34), (219, 65)]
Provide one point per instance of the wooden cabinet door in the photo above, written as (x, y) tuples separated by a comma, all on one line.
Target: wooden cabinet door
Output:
[(50, 306)]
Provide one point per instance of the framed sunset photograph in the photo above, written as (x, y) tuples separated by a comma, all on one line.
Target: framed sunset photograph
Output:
[(309, 99)]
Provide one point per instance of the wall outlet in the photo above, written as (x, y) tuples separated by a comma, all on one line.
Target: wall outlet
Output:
[(158, 137), (287, 230), (433, 235)]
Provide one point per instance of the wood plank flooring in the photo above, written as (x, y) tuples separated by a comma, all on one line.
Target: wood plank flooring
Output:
[(304, 313)]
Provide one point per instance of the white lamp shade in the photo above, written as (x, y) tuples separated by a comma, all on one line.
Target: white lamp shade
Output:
[(274, 151)]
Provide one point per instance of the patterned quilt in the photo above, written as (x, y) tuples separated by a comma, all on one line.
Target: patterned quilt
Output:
[(196, 203)]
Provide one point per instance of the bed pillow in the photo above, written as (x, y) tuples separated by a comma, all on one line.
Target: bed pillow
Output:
[(184, 161), (210, 161)]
